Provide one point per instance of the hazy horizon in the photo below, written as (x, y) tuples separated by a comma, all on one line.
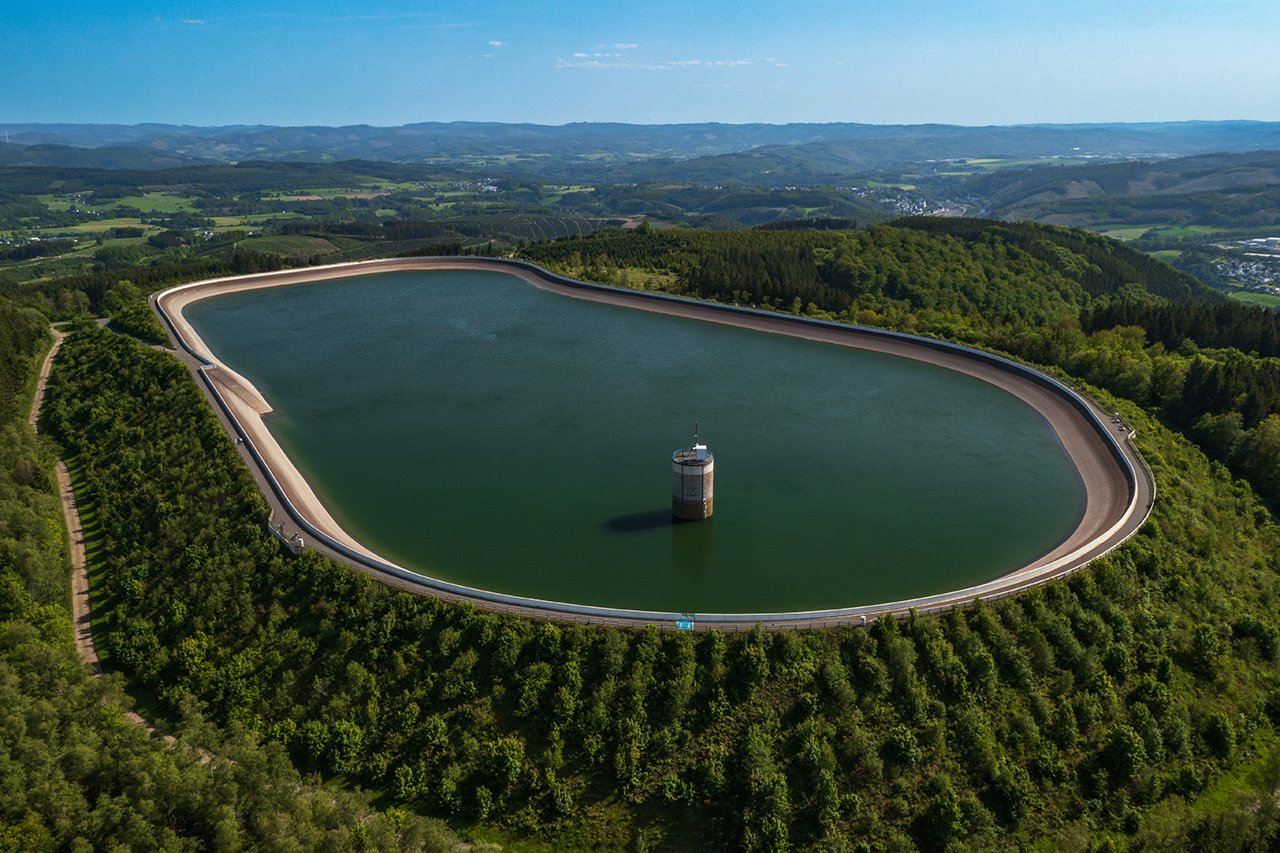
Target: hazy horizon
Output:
[(974, 64)]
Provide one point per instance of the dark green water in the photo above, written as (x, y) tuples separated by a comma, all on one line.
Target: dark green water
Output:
[(471, 427)]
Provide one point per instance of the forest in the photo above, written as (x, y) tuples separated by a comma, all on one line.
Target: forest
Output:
[(965, 267), (1133, 706)]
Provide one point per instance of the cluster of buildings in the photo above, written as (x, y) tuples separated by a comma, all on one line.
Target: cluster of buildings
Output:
[(906, 204), (484, 185), (1265, 246), (1258, 265), (1258, 273)]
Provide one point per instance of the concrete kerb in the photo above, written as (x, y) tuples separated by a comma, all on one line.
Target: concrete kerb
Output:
[(408, 580)]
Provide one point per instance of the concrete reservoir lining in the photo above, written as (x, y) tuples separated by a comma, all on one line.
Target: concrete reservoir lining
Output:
[(1119, 488)]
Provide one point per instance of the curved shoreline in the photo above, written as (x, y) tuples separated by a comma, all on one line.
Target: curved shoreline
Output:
[(1118, 488)]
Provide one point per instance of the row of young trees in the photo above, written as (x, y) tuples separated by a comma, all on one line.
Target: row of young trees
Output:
[(1102, 705)]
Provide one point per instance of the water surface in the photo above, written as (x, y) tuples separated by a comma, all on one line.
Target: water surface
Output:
[(468, 426)]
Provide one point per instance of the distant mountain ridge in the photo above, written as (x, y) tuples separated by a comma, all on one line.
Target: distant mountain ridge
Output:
[(625, 152)]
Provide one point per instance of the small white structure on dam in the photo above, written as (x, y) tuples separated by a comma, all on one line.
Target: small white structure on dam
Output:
[(692, 481)]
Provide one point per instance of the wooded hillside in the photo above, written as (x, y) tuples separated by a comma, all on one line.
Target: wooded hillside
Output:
[(1133, 705)]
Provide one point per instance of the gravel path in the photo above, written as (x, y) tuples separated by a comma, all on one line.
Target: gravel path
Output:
[(81, 612)]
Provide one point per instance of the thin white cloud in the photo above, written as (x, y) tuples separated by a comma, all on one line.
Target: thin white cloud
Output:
[(719, 63), (497, 44), (581, 60), (192, 22), (619, 60)]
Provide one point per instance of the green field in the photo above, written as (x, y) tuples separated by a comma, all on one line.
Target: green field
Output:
[(154, 203), (107, 224), (992, 163), (1167, 255), (259, 218), (301, 246), (1248, 297), (328, 193), (1133, 232)]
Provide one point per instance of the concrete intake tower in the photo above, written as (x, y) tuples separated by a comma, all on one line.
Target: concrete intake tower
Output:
[(692, 481)]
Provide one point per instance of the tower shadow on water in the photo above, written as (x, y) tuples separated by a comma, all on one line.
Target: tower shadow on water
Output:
[(691, 545)]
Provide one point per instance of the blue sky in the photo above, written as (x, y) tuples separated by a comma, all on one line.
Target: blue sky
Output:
[(979, 62)]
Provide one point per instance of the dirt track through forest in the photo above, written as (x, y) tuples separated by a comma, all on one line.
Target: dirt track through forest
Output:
[(81, 610)]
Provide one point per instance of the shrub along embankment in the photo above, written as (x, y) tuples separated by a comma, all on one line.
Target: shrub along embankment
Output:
[(1106, 704)]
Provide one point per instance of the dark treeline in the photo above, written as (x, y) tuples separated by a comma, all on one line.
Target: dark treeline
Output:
[(37, 250), (1098, 706), (816, 223), (742, 204), (22, 335), (211, 180), (438, 250), (394, 230), (95, 286), (1230, 324)]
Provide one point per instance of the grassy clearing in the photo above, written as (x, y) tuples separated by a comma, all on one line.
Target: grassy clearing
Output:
[(106, 224), (1187, 231), (327, 193), (155, 203), (995, 163), (1248, 297), (1121, 232), (1167, 255), (304, 246), (1228, 788), (1132, 232), (259, 218)]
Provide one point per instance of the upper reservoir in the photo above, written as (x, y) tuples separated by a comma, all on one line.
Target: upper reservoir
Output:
[(471, 427)]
